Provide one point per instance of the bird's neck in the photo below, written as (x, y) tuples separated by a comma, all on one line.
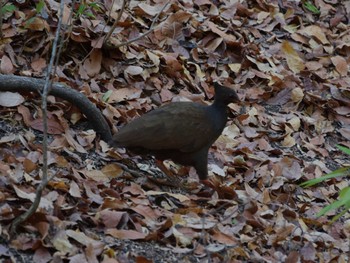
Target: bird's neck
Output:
[(219, 105), (219, 111)]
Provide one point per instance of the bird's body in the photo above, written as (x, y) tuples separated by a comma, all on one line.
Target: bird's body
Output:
[(180, 131)]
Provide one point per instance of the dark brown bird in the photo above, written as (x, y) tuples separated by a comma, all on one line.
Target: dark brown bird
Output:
[(179, 131)]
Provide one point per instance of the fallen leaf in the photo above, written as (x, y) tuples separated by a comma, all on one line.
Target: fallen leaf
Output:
[(92, 64), (295, 63), (44, 203), (112, 170), (340, 64), (124, 94), (53, 126), (6, 66), (125, 234), (133, 70), (10, 99), (314, 31)]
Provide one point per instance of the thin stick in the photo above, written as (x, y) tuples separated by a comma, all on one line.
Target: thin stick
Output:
[(1, 15), (116, 21), (44, 93), (146, 33)]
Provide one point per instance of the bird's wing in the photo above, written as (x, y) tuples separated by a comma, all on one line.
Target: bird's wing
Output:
[(183, 126)]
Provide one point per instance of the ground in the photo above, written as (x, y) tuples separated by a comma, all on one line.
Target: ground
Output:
[(288, 62)]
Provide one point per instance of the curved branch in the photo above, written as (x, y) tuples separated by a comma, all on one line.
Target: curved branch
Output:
[(92, 113)]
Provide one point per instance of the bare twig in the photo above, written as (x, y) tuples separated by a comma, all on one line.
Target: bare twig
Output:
[(1, 15), (116, 21), (44, 93), (115, 25), (146, 33)]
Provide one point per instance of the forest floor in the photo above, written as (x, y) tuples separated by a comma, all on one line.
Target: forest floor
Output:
[(288, 62)]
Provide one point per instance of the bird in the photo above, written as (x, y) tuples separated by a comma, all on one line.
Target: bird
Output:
[(180, 131)]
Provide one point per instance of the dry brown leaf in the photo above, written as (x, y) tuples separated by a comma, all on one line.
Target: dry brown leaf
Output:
[(180, 197), (153, 57), (150, 215), (112, 260), (215, 29), (73, 142), (8, 138), (216, 169), (345, 132), (44, 203), (85, 240), (10, 99), (53, 126), (126, 234), (135, 189), (74, 190), (308, 252), (250, 132), (124, 94), (291, 169), (86, 138), (42, 255), (313, 65), (24, 111), (295, 63), (92, 64), (6, 66), (166, 95), (91, 195), (112, 170), (341, 65), (133, 70), (61, 242), (223, 238), (295, 123), (192, 44), (37, 24), (29, 166), (235, 67), (183, 237), (151, 10), (97, 175), (38, 65), (297, 95), (315, 31), (111, 219)]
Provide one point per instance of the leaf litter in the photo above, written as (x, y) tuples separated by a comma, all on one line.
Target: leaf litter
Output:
[(288, 65)]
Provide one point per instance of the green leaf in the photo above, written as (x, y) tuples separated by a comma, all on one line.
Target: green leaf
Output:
[(39, 6), (106, 96), (339, 172), (336, 217), (29, 21), (309, 6), (343, 202), (89, 14), (8, 8), (81, 9), (329, 207), (344, 149), (95, 6)]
